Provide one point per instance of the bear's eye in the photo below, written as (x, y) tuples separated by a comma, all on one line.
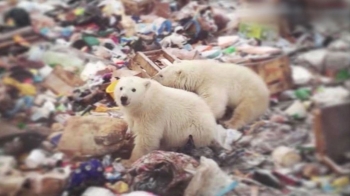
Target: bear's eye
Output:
[(121, 88), (161, 76), (133, 90)]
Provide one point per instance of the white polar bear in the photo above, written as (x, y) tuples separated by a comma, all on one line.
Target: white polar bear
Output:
[(223, 86), (163, 117)]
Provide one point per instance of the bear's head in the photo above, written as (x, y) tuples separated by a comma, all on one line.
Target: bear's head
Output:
[(130, 91), (178, 75)]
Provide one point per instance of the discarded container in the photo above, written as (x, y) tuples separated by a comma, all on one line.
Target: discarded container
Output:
[(150, 61)]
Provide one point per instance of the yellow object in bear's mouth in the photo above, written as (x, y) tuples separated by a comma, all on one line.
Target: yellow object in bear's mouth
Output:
[(110, 88)]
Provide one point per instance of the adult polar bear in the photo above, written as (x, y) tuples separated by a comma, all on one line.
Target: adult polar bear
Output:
[(222, 86), (163, 117)]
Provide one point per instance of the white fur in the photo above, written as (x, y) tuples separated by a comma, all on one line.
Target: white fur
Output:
[(163, 117), (221, 85)]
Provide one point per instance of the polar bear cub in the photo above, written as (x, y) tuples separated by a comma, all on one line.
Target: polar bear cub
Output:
[(223, 86), (163, 117)]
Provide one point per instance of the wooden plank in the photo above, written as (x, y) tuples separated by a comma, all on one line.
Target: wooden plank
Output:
[(332, 130), (57, 85)]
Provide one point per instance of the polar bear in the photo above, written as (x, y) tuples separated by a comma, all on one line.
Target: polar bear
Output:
[(223, 86), (163, 118)]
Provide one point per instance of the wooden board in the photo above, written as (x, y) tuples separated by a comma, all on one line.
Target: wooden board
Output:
[(6, 39), (149, 61), (331, 126), (57, 82), (276, 73)]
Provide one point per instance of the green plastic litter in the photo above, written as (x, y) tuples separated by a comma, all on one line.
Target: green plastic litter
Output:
[(61, 108), (302, 94), (296, 117), (306, 149), (21, 125), (91, 41), (230, 50), (342, 75), (105, 33)]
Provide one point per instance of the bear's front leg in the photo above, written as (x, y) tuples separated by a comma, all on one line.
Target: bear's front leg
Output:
[(130, 126), (144, 144)]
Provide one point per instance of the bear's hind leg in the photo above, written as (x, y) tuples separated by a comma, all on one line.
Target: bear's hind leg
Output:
[(243, 114), (217, 102)]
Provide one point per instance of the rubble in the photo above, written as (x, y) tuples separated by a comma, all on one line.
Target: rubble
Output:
[(63, 134)]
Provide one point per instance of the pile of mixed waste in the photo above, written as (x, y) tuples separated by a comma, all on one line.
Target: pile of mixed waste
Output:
[(63, 134)]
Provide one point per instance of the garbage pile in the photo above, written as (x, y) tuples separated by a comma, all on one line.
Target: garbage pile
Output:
[(62, 133)]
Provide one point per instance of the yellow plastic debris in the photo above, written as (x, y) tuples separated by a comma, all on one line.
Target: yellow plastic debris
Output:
[(110, 88), (21, 41), (101, 109), (25, 89), (341, 182), (119, 187), (79, 11)]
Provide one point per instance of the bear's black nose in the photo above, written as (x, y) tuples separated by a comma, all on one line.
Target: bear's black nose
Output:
[(123, 99)]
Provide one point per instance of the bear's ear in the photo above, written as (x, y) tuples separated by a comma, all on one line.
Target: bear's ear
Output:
[(147, 84)]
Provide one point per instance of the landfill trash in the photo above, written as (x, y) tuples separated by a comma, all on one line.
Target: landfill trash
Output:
[(209, 179), (285, 157), (119, 187), (296, 110), (301, 75), (92, 191), (232, 135), (51, 183), (267, 178), (7, 163), (162, 172), (330, 95), (35, 158), (106, 135), (63, 134)]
